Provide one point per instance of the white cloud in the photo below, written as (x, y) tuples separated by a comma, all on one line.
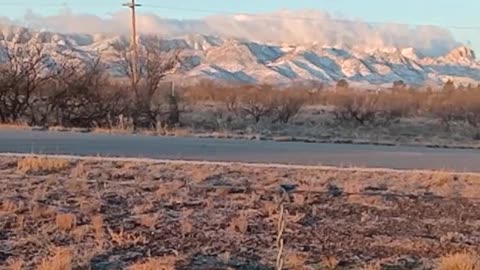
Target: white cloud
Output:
[(284, 26)]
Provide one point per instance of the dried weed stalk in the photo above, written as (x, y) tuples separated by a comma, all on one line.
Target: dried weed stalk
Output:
[(41, 164)]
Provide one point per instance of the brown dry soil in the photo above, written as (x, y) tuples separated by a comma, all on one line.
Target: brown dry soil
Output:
[(225, 217)]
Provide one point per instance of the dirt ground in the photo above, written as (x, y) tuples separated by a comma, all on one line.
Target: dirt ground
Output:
[(61, 214)]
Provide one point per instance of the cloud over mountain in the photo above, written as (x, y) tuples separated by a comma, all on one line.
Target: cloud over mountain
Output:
[(294, 27)]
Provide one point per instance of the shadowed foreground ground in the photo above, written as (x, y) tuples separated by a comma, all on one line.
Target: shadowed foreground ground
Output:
[(115, 215)]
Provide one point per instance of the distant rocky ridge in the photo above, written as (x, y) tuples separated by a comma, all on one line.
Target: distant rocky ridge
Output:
[(245, 61)]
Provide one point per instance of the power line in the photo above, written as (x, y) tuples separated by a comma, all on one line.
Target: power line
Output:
[(14, 4), (253, 15), (303, 18)]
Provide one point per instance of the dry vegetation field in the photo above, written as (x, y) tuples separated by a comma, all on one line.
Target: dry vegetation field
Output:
[(400, 115), (60, 214)]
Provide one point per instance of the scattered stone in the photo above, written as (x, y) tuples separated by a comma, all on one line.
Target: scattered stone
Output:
[(334, 191)]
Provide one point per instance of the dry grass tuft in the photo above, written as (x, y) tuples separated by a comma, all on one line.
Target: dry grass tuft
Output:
[(295, 260), (66, 222), (186, 227), (80, 232), (9, 207), (225, 257), (270, 208), (79, 171), (20, 222), (76, 185), (61, 260), (460, 261), (439, 179), (373, 266), (15, 264), (163, 263), (182, 132), (186, 224), (295, 218), (17, 125), (112, 130), (140, 209), (89, 206), (97, 224), (148, 221), (331, 263), (41, 164), (240, 223), (199, 174), (123, 238), (39, 193), (38, 211), (299, 199)]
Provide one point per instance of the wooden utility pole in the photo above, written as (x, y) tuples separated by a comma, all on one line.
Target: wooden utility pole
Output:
[(132, 5)]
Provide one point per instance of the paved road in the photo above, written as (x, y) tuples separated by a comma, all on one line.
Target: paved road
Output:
[(239, 150)]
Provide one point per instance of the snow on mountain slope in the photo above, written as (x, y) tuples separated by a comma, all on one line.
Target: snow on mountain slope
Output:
[(240, 60)]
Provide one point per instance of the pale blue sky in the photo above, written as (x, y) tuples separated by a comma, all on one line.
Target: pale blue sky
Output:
[(437, 12)]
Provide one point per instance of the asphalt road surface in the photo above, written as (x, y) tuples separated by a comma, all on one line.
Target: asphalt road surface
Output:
[(397, 157)]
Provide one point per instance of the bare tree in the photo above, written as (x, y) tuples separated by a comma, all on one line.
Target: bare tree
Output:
[(23, 71), (150, 105), (395, 104), (360, 107), (449, 86), (342, 85), (230, 98), (84, 95), (288, 104), (471, 105), (399, 85), (473, 115), (257, 103), (448, 106)]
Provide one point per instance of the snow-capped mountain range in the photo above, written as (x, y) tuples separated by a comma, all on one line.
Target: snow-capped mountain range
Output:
[(246, 61)]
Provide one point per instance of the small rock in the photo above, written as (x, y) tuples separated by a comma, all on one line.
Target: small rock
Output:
[(334, 191), (289, 187), (452, 237), (376, 188)]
